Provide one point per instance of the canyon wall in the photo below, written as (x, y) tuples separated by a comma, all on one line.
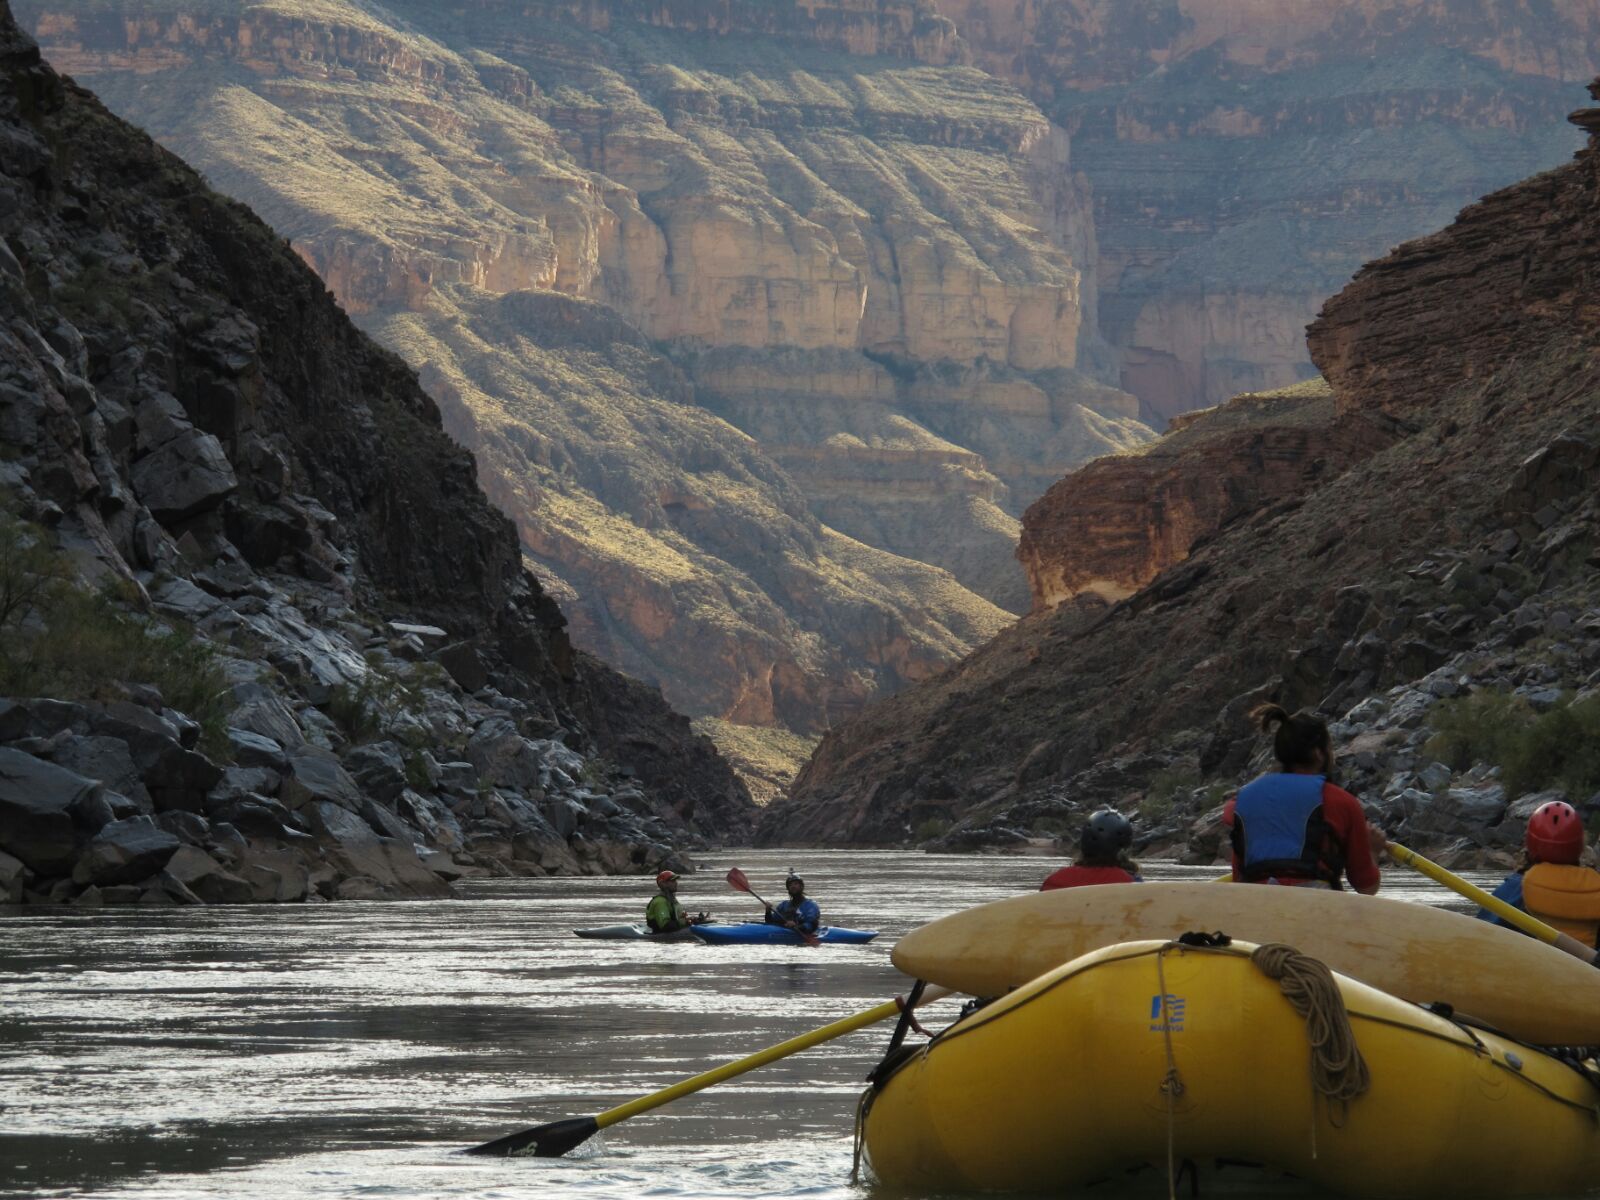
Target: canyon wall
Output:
[(1247, 157), (1455, 552), (853, 275)]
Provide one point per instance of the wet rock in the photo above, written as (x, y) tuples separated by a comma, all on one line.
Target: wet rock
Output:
[(44, 811), (313, 774), (14, 879), (191, 867), (125, 851)]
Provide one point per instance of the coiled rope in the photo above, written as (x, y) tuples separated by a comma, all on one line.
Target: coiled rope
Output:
[(1338, 1072)]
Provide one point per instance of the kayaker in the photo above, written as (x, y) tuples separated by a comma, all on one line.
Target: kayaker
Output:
[(664, 914), (1102, 854), (797, 912), (1294, 827), (1551, 884)]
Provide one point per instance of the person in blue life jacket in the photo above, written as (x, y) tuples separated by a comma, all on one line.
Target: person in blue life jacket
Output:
[(1552, 884), (1292, 826), (797, 912)]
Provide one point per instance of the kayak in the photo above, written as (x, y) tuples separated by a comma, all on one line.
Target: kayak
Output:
[(1149, 1057), (756, 933), (635, 933), (1413, 951)]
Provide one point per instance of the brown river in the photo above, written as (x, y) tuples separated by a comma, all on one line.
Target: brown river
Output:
[(348, 1050)]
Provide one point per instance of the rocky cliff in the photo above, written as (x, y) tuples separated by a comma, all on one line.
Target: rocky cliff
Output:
[(1442, 582), (262, 637), (872, 262), (1246, 158), (1112, 527)]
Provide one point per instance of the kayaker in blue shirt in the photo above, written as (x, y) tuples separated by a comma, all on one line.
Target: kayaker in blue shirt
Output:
[(797, 912)]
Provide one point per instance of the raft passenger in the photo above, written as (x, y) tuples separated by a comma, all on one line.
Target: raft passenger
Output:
[(1294, 827), (1551, 885), (1102, 854), (797, 912), (664, 914)]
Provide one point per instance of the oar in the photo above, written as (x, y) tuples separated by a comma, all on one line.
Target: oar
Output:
[(739, 883), (1510, 914), (555, 1139)]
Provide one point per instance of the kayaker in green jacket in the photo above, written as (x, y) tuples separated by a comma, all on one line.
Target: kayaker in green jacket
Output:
[(664, 914)]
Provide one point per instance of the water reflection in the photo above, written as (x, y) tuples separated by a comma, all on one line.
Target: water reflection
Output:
[(346, 1050)]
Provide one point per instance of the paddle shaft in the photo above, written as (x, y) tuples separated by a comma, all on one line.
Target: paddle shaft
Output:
[(1508, 913), (760, 1058)]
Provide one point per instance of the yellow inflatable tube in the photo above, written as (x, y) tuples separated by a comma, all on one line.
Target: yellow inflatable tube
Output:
[(1096, 1068)]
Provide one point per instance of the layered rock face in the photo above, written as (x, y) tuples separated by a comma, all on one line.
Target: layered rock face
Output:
[(1246, 158), (861, 254), (209, 477), (1110, 528), (1460, 558)]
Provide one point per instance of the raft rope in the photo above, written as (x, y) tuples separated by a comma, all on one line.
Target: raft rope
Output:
[(1338, 1071)]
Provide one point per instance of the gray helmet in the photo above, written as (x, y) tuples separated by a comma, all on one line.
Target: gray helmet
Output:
[(1107, 834)]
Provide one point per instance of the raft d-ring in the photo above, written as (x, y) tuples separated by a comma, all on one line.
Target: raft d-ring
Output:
[(1513, 1060)]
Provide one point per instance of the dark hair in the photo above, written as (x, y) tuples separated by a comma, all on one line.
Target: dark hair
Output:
[(1295, 738)]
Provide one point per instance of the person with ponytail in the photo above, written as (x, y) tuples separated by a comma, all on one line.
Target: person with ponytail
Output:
[(1294, 827)]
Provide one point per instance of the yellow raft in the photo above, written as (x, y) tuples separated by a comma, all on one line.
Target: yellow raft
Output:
[(1153, 1056)]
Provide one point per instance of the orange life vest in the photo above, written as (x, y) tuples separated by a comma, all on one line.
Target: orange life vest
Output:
[(1566, 897)]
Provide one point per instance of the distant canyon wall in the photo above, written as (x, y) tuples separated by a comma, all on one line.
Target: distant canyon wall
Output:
[(1246, 157), (860, 272)]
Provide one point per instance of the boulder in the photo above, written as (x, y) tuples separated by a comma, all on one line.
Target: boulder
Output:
[(464, 665), (356, 850), (124, 852), (189, 828), (503, 757), (208, 879), (379, 768), (187, 475), (105, 759), (314, 775), (172, 772), (384, 822), (254, 750), (269, 717), (257, 816), (44, 811), (14, 879), (244, 781)]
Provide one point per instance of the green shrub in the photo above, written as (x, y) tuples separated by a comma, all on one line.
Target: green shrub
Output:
[(1162, 792), (1559, 747), (930, 830), (61, 639)]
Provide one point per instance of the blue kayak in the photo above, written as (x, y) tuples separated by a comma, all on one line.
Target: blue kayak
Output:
[(758, 934)]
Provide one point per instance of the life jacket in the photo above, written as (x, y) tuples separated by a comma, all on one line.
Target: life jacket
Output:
[(1076, 876), (664, 914), (1279, 832), (1566, 897)]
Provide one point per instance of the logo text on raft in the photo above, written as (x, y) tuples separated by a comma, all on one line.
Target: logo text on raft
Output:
[(1173, 1006)]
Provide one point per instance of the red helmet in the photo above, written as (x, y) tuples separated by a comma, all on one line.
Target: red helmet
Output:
[(1555, 835), (666, 877)]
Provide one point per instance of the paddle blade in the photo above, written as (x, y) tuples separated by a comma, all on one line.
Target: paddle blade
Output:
[(737, 880), (547, 1141)]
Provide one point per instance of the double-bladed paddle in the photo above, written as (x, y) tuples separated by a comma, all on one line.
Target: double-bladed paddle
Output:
[(738, 881), (555, 1139), (1508, 913)]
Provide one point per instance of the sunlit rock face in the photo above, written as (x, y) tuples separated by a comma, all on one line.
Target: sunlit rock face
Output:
[(854, 277), (1246, 157)]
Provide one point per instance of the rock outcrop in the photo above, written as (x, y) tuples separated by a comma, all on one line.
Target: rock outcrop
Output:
[(862, 254), (262, 636), (1111, 528), (1246, 158), (1460, 560)]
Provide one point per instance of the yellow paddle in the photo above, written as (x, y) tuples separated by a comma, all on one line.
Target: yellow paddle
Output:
[(555, 1139), (1510, 914)]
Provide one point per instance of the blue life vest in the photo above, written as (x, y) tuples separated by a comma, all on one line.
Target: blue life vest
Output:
[(1279, 831), (806, 915)]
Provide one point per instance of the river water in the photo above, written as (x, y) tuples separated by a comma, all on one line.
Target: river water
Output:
[(347, 1050)]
